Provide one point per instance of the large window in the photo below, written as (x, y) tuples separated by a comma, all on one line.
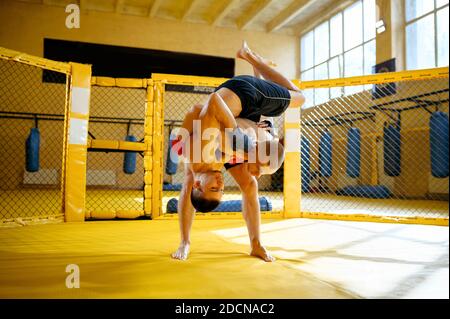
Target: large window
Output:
[(343, 46), (426, 33)]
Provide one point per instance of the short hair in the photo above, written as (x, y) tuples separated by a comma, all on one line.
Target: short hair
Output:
[(202, 204)]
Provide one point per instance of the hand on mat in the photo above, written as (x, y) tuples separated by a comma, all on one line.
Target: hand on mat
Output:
[(182, 253), (260, 252)]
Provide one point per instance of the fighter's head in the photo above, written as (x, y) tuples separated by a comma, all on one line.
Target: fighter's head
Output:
[(269, 158), (207, 191)]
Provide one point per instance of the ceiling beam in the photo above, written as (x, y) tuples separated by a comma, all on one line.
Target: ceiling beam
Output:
[(304, 27), (154, 8), (188, 10), (244, 20), (226, 8), (285, 16)]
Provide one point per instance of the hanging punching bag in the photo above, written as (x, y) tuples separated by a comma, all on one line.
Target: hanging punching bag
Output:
[(392, 150), (129, 161), (326, 155), (172, 159), (354, 153), (32, 146), (439, 144), (306, 164)]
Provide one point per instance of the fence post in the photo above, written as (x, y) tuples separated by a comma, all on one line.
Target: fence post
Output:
[(292, 184), (76, 133), (148, 154), (157, 148)]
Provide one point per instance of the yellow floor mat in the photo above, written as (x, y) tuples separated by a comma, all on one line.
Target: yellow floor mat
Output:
[(130, 259)]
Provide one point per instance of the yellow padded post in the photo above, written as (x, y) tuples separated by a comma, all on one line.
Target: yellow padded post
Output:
[(131, 146), (104, 144), (76, 137), (148, 154), (103, 215), (157, 150), (129, 214), (292, 166)]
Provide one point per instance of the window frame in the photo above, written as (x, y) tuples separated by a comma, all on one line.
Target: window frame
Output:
[(434, 12), (339, 56)]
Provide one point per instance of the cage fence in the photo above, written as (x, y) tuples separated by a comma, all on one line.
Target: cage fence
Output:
[(32, 106), (379, 150), (115, 178)]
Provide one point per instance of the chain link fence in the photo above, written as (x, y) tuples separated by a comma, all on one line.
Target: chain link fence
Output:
[(32, 106), (115, 177), (377, 150), (178, 100)]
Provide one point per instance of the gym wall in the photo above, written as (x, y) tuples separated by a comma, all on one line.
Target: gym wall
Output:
[(35, 22)]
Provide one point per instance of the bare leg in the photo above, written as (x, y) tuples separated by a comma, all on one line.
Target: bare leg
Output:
[(264, 68), (256, 73)]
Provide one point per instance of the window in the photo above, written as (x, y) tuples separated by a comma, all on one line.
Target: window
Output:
[(340, 47), (426, 33)]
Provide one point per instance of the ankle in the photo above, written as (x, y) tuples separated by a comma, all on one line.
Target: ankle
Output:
[(255, 243)]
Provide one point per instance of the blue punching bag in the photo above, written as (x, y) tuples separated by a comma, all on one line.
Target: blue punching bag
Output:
[(354, 152), (392, 150), (306, 164), (129, 162), (326, 155), (225, 206), (172, 159), (439, 144), (32, 146)]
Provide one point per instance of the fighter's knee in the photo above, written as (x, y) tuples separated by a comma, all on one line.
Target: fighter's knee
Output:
[(297, 98)]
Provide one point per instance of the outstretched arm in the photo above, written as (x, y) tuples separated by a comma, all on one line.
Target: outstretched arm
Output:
[(185, 216)]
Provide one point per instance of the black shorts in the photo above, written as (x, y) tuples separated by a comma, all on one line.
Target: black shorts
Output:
[(229, 166), (258, 97)]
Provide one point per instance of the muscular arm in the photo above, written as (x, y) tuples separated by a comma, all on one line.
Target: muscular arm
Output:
[(185, 216), (251, 209), (250, 203)]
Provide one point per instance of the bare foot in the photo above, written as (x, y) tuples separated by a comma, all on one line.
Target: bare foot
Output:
[(182, 252), (244, 51), (261, 252)]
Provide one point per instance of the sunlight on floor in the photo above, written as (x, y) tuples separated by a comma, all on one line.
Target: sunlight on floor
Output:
[(370, 260)]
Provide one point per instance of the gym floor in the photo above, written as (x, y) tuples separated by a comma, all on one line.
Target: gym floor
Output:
[(316, 259)]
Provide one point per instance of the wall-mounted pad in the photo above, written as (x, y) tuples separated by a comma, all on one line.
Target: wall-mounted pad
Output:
[(439, 144), (224, 206)]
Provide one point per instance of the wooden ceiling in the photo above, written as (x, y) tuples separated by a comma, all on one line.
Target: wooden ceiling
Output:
[(292, 17)]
